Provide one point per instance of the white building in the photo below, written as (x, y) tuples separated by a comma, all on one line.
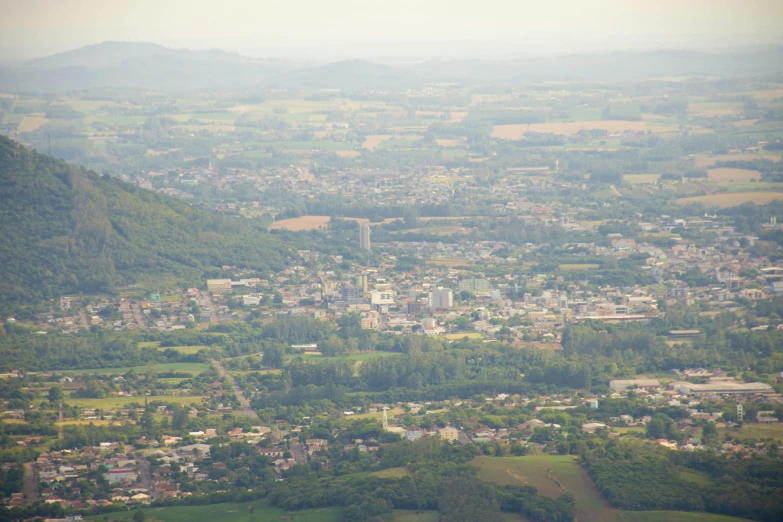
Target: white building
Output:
[(441, 299), (385, 297)]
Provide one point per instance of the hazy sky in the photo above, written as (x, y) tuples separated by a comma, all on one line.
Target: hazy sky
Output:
[(395, 28)]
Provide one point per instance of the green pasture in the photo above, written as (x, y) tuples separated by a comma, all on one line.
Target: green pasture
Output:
[(113, 403), (228, 512), (158, 368)]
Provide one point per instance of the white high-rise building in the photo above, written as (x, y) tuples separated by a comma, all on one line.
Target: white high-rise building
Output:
[(364, 236), (441, 299)]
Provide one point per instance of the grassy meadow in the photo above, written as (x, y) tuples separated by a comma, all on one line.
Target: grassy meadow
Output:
[(194, 368), (228, 512), (551, 475)]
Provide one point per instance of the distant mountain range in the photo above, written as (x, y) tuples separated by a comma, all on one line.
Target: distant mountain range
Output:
[(153, 66)]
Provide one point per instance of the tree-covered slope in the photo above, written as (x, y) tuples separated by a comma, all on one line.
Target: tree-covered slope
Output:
[(64, 230)]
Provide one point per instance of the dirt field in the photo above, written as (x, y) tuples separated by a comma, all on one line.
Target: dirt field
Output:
[(348, 153), (32, 122), (733, 199), (641, 178), (372, 142), (315, 222), (449, 143), (715, 109), (516, 131), (701, 161), (721, 175), (301, 223)]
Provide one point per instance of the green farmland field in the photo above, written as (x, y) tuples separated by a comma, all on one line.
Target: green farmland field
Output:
[(163, 367), (674, 516), (551, 475), (229, 512), (112, 403)]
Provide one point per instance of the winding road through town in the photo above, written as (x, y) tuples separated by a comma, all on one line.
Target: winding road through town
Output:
[(240, 396)]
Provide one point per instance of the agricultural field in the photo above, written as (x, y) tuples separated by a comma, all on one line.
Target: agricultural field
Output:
[(446, 230), (460, 336), (674, 516), (755, 432), (372, 142), (378, 416), (364, 356), (113, 403), (733, 199), (302, 223), (392, 473), (726, 174), (641, 178), (409, 515), (517, 131), (551, 475), (32, 122), (715, 109), (702, 479), (703, 160), (158, 368), (186, 350), (228, 512)]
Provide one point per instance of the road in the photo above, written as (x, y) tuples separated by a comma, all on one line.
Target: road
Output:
[(138, 315), (298, 451), (83, 319), (246, 409), (30, 485), (207, 302), (146, 477)]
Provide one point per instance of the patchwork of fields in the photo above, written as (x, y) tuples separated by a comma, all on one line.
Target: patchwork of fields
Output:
[(733, 199)]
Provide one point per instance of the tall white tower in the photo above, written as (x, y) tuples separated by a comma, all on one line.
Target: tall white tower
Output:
[(385, 419)]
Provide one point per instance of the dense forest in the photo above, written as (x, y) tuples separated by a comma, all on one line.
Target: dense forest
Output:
[(65, 230)]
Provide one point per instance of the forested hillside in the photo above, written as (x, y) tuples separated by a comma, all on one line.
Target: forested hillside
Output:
[(64, 230)]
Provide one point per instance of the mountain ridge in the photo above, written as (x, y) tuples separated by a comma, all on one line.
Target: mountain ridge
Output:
[(153, 66), (64, 230)]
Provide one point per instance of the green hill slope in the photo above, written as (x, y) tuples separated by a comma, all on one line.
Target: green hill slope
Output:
[(64, 230)]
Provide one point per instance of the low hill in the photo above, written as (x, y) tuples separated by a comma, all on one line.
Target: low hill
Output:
[(138, 64), (153, 66), (64, 230), (356, 75)]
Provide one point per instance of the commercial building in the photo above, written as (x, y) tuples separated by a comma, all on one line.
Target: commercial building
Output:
[(350, 292), (449, 433), (219, 285), (627, 384), (441, 299), (414, 307), (385, 297), (474, 285), (724, 388), (361, 280)]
